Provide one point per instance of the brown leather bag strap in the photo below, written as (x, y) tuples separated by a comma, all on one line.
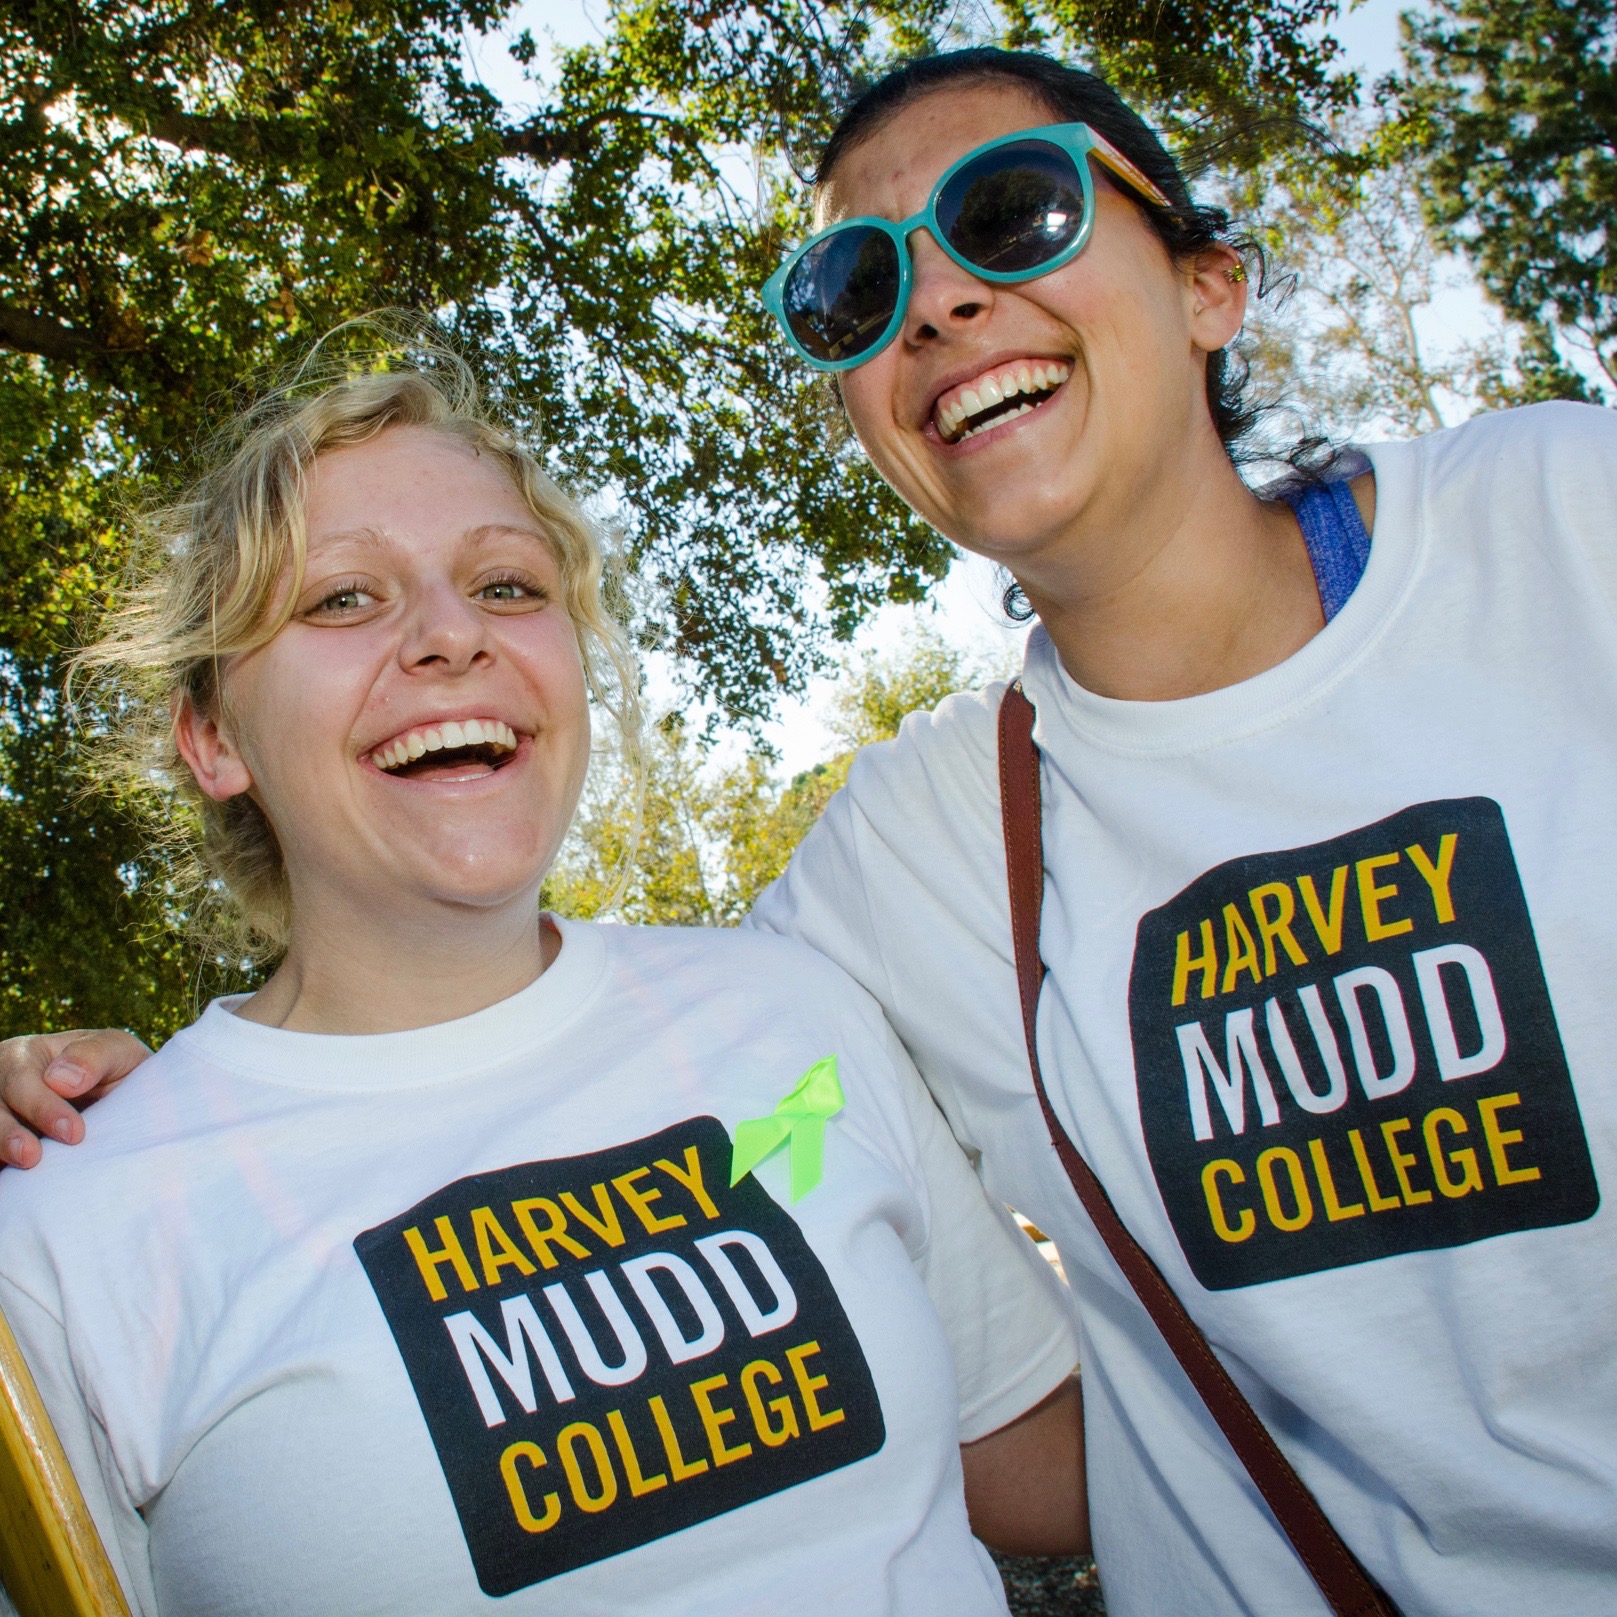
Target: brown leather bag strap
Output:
[(1347, 1588)]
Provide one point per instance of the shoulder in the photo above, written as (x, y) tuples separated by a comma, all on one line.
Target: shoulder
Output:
[(710, 963), (943, 759), (1544, 452), (125, 1160), (918, 813), (155, 1107), (924, 801)]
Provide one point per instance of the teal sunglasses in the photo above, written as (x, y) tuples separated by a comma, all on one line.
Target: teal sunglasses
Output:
[(1013, 209)]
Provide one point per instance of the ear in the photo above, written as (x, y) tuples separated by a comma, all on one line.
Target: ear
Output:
[(209, 752), (1216, 297)]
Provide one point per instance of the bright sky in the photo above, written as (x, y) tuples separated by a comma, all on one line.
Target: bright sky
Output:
[(964, 609)]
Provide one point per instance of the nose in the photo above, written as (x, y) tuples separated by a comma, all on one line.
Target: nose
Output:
[(945, 300), (445, 633)]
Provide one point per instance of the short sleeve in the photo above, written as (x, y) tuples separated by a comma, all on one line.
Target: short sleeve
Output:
[(823, 899), (1009, 1320), (123, 1532), (1575, 445), (902, 884), (1544, 477)]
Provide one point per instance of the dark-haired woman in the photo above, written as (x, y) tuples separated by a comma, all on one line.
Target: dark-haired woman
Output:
[(1329, 911)]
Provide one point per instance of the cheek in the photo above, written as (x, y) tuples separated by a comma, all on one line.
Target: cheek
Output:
[(545, 648), (869, 398), (1127, 311), (870, 395), (860, 395), (293, 703)]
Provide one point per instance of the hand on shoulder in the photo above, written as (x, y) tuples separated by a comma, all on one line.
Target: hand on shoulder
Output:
[(47, 1079)]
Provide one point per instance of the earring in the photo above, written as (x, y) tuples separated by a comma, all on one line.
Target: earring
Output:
[(1236, 275)]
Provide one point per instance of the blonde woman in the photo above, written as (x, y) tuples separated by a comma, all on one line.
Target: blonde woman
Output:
[(418, 1277)]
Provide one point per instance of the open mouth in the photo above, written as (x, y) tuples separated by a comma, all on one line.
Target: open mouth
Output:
[(452, 751), (997, 395)]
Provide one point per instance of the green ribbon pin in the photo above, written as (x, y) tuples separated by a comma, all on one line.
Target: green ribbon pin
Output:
[(800, 1118)]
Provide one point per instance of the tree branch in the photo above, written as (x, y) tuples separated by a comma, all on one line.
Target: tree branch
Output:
[(220, 137), (544, 143), (33, 334)]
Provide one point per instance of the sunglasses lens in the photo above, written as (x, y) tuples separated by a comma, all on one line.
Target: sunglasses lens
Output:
[(1014, 208), (842, 293)]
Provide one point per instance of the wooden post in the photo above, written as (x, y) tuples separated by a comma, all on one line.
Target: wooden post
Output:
[(52, 1562)]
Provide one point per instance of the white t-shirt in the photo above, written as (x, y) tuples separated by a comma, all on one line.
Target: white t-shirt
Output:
[(1331, 1013), (398, 1324)]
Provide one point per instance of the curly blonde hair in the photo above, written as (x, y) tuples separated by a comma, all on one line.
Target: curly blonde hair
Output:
[(208, 581)]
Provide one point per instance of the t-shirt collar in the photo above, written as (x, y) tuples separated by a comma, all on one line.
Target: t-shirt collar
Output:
[(439, 1053), (1195, 723)]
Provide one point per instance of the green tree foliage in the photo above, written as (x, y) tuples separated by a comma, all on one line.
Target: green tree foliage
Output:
[(1232, 78), (189, 192), (1515, 105), (708, 837)]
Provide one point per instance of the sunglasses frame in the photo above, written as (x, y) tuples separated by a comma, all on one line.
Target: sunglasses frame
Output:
[(1078, 141)]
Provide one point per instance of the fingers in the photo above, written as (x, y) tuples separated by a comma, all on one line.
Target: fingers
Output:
[(18, 1147), (46, 1077), (27, 1103), (87, 1066)]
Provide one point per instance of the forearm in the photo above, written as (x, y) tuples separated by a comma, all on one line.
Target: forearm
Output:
[(1025, 1487)]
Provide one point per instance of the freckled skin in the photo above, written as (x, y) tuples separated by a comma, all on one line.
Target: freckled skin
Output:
[(459, 615), (1155, 570), (1120, 311)]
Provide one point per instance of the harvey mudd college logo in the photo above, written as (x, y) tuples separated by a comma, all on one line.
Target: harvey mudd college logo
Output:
[(609, 1348), (1348, 1051)]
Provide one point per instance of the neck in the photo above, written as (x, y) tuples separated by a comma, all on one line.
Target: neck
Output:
[(1184, 585), (349, 969)]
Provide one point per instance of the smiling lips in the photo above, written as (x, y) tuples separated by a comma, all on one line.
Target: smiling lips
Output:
[(997, 395), (468, 741)]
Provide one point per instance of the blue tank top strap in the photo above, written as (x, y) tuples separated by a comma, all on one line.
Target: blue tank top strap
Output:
[(1337, 539)]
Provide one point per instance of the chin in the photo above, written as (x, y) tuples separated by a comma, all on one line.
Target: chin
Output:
[(1007, 532), (486, 879)]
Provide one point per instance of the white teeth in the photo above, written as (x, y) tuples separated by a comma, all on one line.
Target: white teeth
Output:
[(1010, 415), (990, 391), (434, 738)]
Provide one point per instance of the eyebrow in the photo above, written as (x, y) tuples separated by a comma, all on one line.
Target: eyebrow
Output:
[(493, 530), (376, 538)]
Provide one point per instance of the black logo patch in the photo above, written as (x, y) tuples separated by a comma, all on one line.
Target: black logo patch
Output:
[(1348, 1051), (612, 1347)]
